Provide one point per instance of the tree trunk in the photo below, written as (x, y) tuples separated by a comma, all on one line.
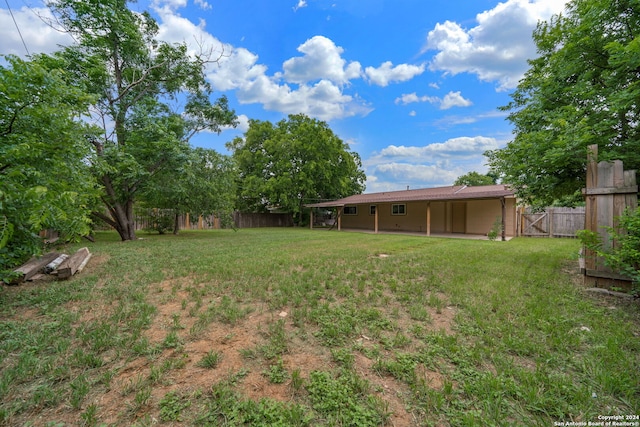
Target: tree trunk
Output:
[(120, 214), (176, 223)]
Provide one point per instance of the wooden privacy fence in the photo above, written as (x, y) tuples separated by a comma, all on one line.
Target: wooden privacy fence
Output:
[(211, 222), (552, 222), (610, 190), (255, 220), (186, 221)]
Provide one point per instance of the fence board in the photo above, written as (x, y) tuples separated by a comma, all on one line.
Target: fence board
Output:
[(257, 220), (553, 222), (210, 222), (610, 190)]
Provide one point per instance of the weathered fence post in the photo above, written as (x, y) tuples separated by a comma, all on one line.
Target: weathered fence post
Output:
[(610, 190)]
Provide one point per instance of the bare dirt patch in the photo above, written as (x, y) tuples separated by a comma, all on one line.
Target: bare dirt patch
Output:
[(178, 369)]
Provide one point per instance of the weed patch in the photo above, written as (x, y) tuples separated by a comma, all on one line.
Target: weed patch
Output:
[(295, 327)]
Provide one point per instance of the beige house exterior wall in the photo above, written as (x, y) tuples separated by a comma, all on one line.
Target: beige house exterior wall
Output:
[(464, 216)]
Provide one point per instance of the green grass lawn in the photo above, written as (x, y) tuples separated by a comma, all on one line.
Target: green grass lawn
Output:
[(281, 327)]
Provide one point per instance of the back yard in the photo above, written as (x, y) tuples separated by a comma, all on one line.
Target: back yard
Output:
[(298, 327)]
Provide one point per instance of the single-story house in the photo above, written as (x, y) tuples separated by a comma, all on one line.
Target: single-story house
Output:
[(454, 209)]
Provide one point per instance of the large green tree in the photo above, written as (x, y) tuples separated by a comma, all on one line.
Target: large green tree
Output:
[(139, 83), (297, 161), (203, 184), (473, 179), (582, 89), (45, 180)]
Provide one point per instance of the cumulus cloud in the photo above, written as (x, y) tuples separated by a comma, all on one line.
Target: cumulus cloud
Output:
[(454, 99), (323, 100), (242, 126), (322, 60), (410, 98), (316, 82), (416, 173), (238, 69), (387, 73), (460, 147), (450, 100), (235, 69), (497, 48), (433, 165), (37, 36)]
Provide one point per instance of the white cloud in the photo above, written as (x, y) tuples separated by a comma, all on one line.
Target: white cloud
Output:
[(416, 173), (460, 147), (37, 35), (203, 4), (322, 60), (409, 98), (238, 69), (452, 99), (323, 100), (243, 124), (387, 73), (433, 165), (300, 5), (497, 48), (235, 69)]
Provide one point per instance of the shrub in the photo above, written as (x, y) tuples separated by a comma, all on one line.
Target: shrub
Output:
[(624, 255), (496, 229)]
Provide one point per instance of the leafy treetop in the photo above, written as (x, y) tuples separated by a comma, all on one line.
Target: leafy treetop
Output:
[(582, 89)]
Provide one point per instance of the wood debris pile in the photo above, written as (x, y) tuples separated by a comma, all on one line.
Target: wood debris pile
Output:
[(61, 266)]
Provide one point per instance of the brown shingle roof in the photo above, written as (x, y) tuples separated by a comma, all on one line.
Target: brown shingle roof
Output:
[(454, 192)]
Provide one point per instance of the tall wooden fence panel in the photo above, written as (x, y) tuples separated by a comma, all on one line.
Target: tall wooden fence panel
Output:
[(552, 222), (610, 190), (255, 220), (145, 221)]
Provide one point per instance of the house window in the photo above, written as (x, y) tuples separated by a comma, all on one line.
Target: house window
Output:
[(399, 209), (350, 210), (372, 210)]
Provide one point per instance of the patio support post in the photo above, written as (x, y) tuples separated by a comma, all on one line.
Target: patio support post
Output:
[(375, 220), (311, 218), (339, 219), (504, 214), (428, 218)]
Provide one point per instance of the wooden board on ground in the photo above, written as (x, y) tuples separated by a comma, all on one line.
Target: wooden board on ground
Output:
[(70, 266), (33, 267)]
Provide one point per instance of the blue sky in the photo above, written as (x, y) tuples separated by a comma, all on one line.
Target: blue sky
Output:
[(413, 86)]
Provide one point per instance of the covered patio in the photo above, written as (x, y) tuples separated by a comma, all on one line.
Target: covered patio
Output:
[(460, 211)]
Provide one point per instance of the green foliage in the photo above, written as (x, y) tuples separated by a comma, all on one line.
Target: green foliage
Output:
[(582, 89), (46, 182), (515, 340), (496, 229), (621, 250), (172, 405), (139, 84), (159, 220), (277, 373), (210, 360), (343, 400), (299, 160), (203, 183), (225, 407), (473, 179)]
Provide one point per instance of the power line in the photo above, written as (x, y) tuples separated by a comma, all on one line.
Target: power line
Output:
[(17, 28)]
